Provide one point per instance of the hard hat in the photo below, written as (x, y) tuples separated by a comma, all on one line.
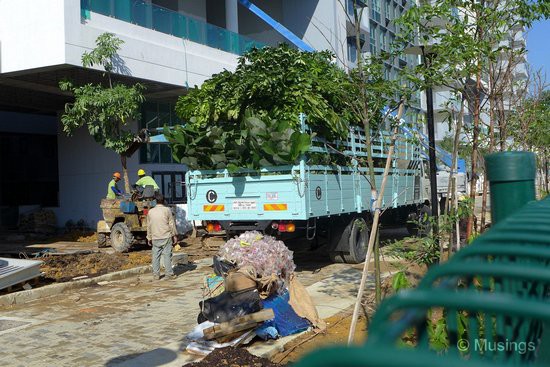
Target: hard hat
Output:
[(117, 175), (141, 172)]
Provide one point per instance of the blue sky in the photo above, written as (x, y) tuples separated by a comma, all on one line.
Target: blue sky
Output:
[(538, 46)]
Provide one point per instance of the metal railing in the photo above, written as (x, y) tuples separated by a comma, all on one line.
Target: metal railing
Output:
[(170, 22)]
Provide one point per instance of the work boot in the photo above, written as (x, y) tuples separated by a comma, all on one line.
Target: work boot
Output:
[(156, 276), (170, 277)]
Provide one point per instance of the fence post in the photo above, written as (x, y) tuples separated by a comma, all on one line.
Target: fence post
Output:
[(511, 177)]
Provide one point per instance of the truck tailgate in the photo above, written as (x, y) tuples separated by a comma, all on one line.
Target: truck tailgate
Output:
[(243, 198)]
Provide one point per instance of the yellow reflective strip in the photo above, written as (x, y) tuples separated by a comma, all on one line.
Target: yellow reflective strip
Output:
[(220, 208), (269, 207)]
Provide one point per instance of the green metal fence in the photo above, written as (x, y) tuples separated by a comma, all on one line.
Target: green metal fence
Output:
[(488, 306), (167, 21)]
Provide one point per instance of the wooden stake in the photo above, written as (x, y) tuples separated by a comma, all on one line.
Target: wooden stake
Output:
[(374, 229), (238, 324)]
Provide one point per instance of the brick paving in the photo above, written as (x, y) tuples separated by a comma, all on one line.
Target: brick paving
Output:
[(114, 322)]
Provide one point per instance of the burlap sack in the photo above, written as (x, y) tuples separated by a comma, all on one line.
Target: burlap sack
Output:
[(241, 279), (302, 304)]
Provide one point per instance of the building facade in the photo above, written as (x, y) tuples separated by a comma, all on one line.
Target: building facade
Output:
[(169, 47)]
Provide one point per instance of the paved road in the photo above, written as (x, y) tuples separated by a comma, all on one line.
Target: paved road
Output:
[(115, 322)]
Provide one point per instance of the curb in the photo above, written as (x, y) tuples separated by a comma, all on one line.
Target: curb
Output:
[(21, 297)]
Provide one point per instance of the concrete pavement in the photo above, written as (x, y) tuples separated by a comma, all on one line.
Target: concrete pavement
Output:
[(137, 321)]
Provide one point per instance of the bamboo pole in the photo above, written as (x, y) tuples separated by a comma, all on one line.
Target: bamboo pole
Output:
[(374, 229)]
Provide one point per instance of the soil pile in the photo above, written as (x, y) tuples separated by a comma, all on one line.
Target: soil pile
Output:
[(63, 268), (233, 357)]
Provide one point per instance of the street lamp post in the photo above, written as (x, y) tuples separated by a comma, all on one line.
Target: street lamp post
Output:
[(431, 153), (421, 50)]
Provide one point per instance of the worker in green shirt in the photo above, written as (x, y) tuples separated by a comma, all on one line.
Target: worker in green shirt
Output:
[(112, 189), (145, 180)]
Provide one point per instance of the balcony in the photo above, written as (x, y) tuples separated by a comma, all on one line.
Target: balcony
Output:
[(170, 22)]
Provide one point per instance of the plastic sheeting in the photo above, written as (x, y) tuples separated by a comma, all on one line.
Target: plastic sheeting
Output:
[(286, 321)]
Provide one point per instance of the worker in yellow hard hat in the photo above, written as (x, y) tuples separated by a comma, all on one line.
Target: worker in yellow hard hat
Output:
[(112, 189), (145, 180)]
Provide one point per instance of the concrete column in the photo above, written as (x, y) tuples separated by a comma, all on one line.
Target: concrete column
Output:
[(232, 15)]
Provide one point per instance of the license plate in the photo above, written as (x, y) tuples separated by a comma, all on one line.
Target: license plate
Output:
[(244, 205)]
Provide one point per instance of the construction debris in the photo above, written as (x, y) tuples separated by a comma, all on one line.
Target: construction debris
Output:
[(249, 295), (15, 271)]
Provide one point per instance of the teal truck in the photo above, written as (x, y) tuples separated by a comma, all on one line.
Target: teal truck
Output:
[(315, 201)]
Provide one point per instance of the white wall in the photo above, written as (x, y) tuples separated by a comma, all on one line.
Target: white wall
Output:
[(85, 169), (31, 34), (41, 33), (320, 23), (147, 54), (252, 26)]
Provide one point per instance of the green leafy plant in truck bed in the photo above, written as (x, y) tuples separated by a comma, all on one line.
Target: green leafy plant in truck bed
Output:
[(250, 117)]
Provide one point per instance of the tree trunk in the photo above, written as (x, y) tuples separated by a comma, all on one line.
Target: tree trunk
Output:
[(492, 106), (454, 166), (377, 278), (374, 231), (475, 142), (125, 173), (545, 170)]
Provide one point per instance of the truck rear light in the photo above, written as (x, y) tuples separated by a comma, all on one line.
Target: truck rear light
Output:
[(213, 227), (282, 227), (275, 225), (290, 227)]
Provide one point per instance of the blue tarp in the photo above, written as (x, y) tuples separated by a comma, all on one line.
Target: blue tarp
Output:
[(286, 321)]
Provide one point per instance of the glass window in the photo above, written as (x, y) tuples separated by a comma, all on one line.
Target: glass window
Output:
[(153, 116), (382, 40), (372, 40), (172, 186), (352, 50), (376, 10), (387, 7)]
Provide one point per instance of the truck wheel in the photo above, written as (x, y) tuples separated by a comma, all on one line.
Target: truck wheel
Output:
[(357, 242), (102, 240), (349, 244), (121, 237)]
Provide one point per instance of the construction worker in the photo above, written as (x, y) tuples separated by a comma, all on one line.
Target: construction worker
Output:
[(145, 180), (161, 236), (112, 190)]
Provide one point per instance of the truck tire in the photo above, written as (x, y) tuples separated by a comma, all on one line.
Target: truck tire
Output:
[(121, 237), (357, 241), (102, 240), (348, 244)]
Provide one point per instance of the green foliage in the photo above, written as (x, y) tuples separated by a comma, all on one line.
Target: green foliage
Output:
[(274, 83), (253, 144), (104, 110), (530, 124), (107, 46), (420, 251), (400, 281)]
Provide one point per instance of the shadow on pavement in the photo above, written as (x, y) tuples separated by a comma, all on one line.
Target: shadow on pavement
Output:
[(155, 357)]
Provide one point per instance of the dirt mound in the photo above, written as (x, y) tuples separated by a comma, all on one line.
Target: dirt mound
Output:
[(76, 236), (234, 357), (66, 267)]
